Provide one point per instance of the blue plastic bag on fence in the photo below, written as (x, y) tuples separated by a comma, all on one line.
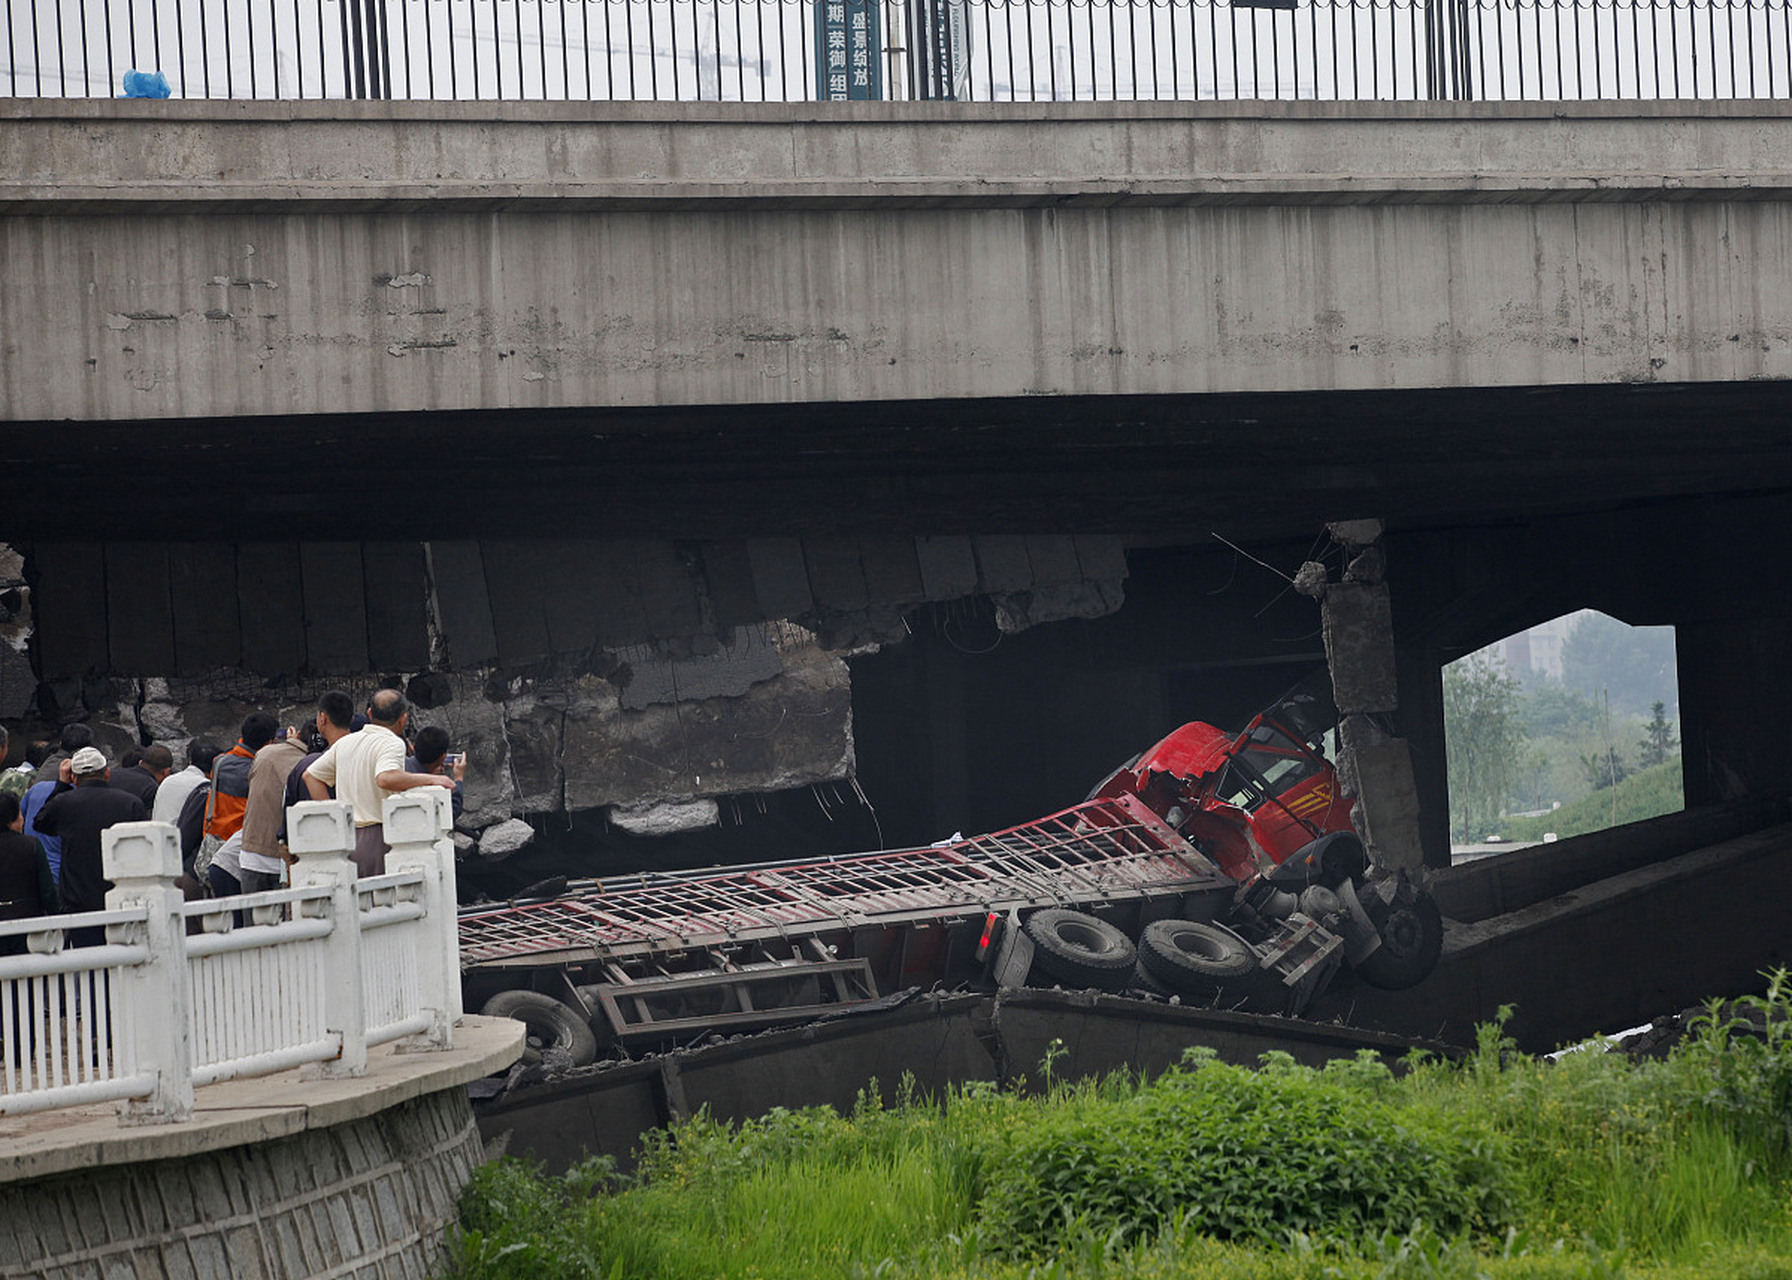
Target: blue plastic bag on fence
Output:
[(144, 84)]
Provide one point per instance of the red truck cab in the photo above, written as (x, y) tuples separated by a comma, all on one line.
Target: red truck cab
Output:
[(1248, 801)]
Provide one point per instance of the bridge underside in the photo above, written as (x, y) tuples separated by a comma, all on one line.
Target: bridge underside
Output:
[(1659, 504), (1149, 468)]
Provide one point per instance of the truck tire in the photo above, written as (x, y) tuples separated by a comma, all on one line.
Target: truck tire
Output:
[(1195, 959), (1075, 949), (552, 1026), (1412, 938)]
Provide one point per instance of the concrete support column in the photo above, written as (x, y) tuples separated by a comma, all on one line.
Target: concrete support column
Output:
[(1374, 765), (1735, 705)]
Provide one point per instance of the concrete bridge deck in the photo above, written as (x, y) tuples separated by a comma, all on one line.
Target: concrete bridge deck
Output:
[(355, 258)]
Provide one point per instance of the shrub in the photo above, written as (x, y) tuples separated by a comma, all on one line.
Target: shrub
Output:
[(516, 1220), (1240, 1155)]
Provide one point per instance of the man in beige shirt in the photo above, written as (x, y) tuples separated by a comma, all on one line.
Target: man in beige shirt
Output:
[(365, 768), (264, 812)]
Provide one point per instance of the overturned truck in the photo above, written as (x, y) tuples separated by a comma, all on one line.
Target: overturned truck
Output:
[(1216, 868)]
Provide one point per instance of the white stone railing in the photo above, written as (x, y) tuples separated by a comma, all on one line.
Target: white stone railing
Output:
[(315, 974)]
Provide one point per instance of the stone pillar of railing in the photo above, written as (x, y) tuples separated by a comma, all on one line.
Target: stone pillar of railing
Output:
[(149, 1001), (417, 824), (322, 834)]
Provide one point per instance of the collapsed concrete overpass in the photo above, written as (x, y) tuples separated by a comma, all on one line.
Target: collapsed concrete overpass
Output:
[(1549, 345)]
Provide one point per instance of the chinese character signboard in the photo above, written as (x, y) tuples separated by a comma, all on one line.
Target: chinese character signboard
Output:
[(848, 62)]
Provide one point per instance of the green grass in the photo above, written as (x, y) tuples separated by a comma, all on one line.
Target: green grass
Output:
[(1648, 793), (1502, 1167)]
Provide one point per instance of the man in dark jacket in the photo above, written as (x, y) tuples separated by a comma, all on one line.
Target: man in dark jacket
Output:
[(27, 888), (81, 807), (142, 778)]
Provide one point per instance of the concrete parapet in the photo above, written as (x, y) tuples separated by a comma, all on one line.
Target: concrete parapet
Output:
[(274, 1177), (1603, 955), (88, 155)]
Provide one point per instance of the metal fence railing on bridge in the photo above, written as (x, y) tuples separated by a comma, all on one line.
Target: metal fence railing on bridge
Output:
[(145, 1001), (952, 50)]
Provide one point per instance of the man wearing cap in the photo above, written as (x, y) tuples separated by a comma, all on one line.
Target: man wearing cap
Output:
[(365, 768), (83, 805)]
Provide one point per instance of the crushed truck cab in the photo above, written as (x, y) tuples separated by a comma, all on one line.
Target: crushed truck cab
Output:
[(1214, 868)]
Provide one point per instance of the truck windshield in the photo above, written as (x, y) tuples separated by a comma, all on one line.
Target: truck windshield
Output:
[(1271, 764)]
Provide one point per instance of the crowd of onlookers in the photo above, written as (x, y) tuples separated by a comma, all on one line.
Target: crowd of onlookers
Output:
[(229, 803)]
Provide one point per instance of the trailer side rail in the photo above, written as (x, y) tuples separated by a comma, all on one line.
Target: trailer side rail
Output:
[(1104, 850)]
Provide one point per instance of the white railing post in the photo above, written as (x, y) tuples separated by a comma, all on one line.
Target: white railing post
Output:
[(322, 834), (450, 935), (149, 1001), (417, 822)]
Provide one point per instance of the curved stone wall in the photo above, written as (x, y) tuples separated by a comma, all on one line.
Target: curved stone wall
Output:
[(367, 1198)]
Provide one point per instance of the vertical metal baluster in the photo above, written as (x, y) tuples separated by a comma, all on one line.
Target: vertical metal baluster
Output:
[(1113, 53), (205, 49), (1579, 80), (386, 45), (566, 52), (61, 56), (541, 51), (323, 61), (1008, 52), (1674, 37), (12, 46), (584, 47), (404, 40), (472, 38), (517, 24), (453, 59), (628, 17), (1748, 16)]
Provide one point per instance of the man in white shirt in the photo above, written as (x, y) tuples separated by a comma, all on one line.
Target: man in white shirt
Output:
[(365, 768), (176, 787)]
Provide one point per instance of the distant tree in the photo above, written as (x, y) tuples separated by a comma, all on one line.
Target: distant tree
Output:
[(1533, 778), (1552, 711), (1484, 735), (1605, 768), (1659, 740), (1633, 666)]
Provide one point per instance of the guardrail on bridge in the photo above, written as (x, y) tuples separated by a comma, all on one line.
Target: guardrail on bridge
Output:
[(315, 975), (949, 50)]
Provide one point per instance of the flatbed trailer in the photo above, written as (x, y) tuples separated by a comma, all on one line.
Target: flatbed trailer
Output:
[(660, 957)]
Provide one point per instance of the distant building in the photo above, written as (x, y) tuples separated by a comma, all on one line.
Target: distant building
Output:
[(1539, 648)]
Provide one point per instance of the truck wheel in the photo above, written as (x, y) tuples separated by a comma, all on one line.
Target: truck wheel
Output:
[(1076, 949), (1412, 938), (551, 1025), (1195, 959)]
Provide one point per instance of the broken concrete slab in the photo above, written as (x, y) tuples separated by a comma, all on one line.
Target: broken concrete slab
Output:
[(666, 818), (506, 839), (747, 659)]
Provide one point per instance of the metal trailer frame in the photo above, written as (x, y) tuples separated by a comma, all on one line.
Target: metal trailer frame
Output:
[(655, 955)]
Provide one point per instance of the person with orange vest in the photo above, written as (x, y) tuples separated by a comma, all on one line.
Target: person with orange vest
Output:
[(230, 776)]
